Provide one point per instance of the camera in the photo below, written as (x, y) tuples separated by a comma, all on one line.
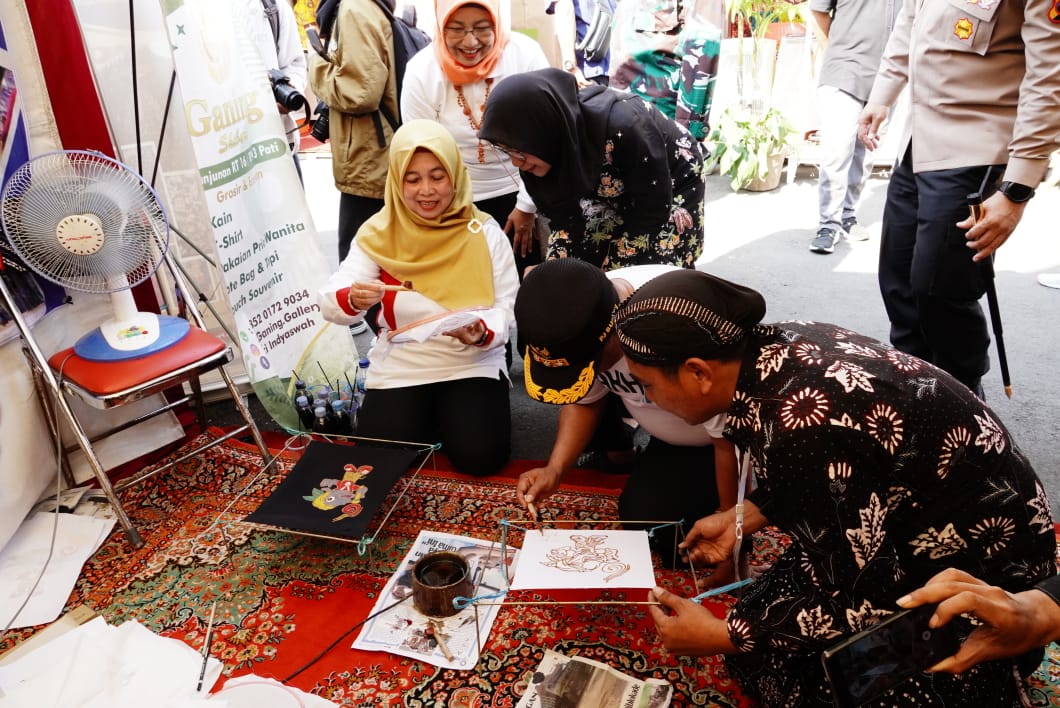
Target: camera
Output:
[(320, 125), (285, 94)]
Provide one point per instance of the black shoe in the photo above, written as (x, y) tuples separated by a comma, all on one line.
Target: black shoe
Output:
[(825, 241), (598, 460)]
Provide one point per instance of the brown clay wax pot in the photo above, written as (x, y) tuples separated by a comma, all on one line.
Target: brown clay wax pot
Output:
[(438, 578)]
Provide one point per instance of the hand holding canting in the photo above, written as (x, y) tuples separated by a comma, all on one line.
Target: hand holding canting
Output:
[(536, 485), (364, 295)]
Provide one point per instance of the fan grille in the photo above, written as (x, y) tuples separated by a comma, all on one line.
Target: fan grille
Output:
[(85, 221)]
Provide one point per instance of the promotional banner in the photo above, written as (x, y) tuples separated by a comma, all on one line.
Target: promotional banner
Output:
[(267, 244)]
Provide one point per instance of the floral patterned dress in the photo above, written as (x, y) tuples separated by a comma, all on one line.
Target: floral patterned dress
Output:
[(648, 204), (884, 470)]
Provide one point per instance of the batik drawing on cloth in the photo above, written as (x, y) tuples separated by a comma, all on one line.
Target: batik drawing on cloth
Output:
[(556, 559)]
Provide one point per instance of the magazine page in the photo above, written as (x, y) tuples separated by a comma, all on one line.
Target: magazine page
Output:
[(405, 631), (576, 682)]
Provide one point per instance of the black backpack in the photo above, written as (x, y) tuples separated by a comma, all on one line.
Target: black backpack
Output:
[(272, 14), (407, 41)]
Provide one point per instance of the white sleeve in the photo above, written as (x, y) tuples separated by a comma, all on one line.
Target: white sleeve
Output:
[(420, 90), (357, 267), (500, 317)]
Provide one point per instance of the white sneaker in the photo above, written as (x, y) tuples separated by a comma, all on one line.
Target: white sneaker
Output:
[(853, 230), (1050, 280), (358, 328)]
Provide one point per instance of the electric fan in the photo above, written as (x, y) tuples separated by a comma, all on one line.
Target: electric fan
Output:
[(90, 223)]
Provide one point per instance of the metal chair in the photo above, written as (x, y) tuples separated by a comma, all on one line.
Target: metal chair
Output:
[(106, 385)]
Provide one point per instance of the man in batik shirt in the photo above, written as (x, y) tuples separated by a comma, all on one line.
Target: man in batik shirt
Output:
[(883, 470)]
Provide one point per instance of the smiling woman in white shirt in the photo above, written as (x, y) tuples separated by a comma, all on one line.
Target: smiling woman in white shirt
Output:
[(473, 51)]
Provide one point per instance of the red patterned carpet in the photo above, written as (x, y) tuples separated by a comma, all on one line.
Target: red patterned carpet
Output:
[(284, 598)]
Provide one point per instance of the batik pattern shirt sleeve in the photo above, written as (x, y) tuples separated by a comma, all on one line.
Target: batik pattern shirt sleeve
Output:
[(648, 203), (884, 470)]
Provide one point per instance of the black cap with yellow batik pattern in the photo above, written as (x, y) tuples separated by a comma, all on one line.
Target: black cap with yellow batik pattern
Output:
[(563, 313)]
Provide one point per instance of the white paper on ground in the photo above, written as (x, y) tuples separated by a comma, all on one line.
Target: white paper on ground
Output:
[(21, 560), (99, 666)]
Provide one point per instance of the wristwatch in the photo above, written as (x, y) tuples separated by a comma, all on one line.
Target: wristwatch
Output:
[(1016, 192)]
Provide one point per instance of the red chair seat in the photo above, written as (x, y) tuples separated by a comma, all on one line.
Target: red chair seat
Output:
[(103, 379)]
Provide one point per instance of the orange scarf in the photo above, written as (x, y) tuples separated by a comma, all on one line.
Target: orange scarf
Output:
[(457, 73)]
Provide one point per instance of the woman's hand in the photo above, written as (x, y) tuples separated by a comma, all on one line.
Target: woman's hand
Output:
[(364, 295), (474, 334), (520, 225)]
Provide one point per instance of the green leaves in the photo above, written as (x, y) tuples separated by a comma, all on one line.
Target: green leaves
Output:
[(742, 143)]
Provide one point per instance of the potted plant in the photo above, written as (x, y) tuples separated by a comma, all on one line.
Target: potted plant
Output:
[(751, 138), (749, 147), (754, 19)]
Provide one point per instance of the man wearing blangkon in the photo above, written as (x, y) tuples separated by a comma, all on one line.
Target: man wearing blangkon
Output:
[(881, 468), (984, 110)]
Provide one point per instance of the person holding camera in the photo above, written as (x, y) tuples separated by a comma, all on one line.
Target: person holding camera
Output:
[(881, 468), (1009, 623), (281, 49)]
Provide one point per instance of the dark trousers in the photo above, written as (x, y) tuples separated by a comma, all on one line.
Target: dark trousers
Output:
[(669, 483), (930, 285), (470, 417), (499, 208), (353, 211)]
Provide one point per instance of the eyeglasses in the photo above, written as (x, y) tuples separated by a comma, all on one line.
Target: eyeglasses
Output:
[(457, 32), (515, 155)]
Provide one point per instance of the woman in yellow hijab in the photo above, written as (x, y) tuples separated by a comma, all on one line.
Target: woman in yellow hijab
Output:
[(444, 275)]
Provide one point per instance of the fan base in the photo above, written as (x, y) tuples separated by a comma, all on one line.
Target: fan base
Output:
[(95, 347)]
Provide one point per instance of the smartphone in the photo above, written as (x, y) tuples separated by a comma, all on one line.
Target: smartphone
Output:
[(870, 663), (313, 36)]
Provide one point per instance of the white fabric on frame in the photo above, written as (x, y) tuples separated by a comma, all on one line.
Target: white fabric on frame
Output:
[(575, 559)]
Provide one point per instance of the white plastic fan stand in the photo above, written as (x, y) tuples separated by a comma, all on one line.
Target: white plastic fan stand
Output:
[(131, 333)]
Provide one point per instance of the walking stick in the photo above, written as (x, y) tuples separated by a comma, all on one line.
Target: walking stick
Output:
[(975, 208)]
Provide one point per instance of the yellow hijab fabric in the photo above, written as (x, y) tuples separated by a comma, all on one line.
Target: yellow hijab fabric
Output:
[(447, 258), (456, 72)]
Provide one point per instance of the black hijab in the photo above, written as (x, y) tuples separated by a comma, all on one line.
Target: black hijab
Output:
[(543, 113)]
